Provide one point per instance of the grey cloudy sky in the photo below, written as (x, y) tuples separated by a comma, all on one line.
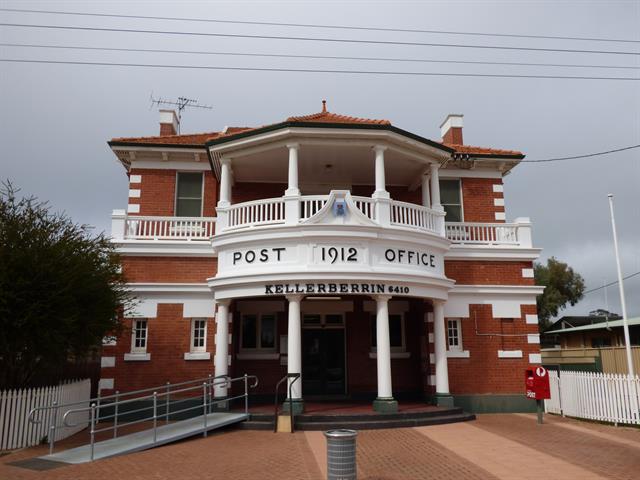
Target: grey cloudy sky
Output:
[(56, 119)]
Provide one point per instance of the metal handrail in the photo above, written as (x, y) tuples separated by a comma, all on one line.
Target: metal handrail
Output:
[(207, 387), (295, 377)]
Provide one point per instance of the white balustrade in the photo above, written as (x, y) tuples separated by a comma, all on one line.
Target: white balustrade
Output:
[(268, 211), (312, 204), (482, 233), (410, 215), (169, 228), (366, 205)]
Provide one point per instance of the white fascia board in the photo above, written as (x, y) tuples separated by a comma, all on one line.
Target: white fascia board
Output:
[(488, 252), (164, 248), (141, 148), (202, 166), (499, 289), (475, 173), (169, 288)]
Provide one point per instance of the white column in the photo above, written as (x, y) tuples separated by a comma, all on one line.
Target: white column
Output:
[(426, 200), (383, 348), (294, 345), (435, 187), (293, 189), (221, 359), (440, 346), (225, 182), (381, 189)]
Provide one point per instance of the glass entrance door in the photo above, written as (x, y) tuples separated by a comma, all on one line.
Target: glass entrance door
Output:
[(323, 355)]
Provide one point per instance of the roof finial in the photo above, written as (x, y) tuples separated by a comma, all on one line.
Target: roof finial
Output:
[(324, 106)]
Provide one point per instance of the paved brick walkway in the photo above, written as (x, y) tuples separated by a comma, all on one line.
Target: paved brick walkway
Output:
[(493, 447)]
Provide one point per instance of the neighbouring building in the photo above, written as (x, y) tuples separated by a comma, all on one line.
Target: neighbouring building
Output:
[(374, 261)]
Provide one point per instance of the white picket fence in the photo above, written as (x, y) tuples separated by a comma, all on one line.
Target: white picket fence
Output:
[(602, 397), (15, 429)]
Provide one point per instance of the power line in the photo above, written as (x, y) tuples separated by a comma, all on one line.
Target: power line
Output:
[(610, 284), (313, 39), (321, 57), (305, 70), (582, 156), (315, 25)]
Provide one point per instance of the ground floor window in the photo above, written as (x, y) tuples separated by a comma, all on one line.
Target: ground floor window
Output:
[(198, 335), (454, 335), (396, 333), (258, 332), (139, 336)]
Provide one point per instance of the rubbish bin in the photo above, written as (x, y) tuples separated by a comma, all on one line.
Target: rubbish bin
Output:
[(341, 454)]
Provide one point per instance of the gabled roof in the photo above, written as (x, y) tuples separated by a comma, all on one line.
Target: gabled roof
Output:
[(190, 140), (483, 151), (327, 117)]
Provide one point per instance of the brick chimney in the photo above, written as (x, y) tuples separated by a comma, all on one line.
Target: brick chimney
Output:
[(451, 129), (169, 123)]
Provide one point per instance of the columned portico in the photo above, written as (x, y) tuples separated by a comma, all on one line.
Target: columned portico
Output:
[(221, 362), (294, 352), (443, 397), (384, 401)]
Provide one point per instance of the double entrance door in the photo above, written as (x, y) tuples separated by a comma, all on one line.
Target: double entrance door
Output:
[(323, 355)]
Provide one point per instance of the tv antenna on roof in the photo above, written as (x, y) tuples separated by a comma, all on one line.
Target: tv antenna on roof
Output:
[(181, 103)]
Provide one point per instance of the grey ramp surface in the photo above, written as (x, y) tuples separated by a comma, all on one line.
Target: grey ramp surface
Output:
[(144, 439)]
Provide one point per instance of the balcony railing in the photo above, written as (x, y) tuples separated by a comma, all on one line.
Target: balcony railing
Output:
[(162, 228), (490, 234)]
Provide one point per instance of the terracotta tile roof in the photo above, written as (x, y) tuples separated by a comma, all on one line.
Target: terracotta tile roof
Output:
[(186, 139), (328, 117), (472, 150)]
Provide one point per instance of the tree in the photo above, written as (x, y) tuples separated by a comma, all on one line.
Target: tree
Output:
[(60, 289), (562, 286)]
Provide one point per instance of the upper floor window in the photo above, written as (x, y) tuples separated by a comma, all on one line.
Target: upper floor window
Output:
[(189, 194), (258, 332), (451, 200)]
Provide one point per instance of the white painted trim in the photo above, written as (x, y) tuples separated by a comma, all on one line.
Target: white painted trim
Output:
[(137, 357), (165, 248), (531, 319), (431, 338), (133, 208), (432, 380), (432, 358), (535, 358), (105, 384), (493, 253), (500, 289), (509, 353), (533, 338), (498, 188), (169, 288), (107, 362), (527, 273), (393, 355), (458, 354), (134, 193), (501, 216), (498, 202), (188, 165), (257, 356), (475, 173), (197, 356), (429, 317), (135, 179)]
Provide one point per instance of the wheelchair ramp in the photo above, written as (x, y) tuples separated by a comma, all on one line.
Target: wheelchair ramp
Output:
[(144, 439)]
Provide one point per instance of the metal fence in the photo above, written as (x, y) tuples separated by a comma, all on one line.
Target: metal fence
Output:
[(602, 397), (15, 429)]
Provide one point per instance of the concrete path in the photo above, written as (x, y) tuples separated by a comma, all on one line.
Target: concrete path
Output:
[(493, 447)]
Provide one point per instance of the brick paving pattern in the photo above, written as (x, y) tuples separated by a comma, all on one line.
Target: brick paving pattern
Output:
[(493, 447)]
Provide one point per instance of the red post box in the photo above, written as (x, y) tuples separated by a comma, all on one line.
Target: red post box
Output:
[(537, 383)]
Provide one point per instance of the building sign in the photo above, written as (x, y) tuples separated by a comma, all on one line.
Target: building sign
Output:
[(333, 288)]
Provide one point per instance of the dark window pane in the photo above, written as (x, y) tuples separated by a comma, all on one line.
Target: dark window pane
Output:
[(311, 319), (249, 331), (374, 338), (334, 319), (454, 213), (188, 208), (450, 192), (268, 332), (395, 330), (189, 194)]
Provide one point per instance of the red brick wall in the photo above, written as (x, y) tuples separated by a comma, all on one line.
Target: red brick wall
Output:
[(158, 192), (487, 272), (168, 340), (477, 199), (483, 372), (169, 269)]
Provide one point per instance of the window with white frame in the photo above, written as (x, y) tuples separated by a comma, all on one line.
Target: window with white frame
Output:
[(139, 334), (189, 194), (454, 334), (396, 333), (198, 335), (258, 332), (451, 200)]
